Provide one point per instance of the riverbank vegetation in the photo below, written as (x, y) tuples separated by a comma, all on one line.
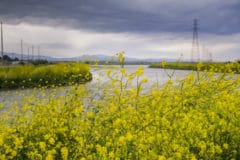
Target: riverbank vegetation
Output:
[(207, 66), (197, 117), (26, 76)]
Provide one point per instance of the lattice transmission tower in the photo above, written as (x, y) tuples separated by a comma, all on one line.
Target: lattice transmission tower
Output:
[(2, 41), (195, 55)]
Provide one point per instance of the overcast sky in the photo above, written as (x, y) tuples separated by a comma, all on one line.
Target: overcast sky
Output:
[(141, 28)]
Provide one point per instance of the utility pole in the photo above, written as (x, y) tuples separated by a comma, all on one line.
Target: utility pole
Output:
[(2, 41), (206, 54), (28, 55), (32, 52), (211, 57), (195, 44), (21, 50), (38, 53)]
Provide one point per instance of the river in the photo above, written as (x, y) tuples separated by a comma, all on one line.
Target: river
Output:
[(154, 75)]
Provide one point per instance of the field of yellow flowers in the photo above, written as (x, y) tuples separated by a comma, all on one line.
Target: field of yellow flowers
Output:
[(197, 117), (25, 76), (217, 66)]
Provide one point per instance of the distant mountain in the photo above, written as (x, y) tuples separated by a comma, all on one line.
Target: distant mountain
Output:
[(30, 57), (111, 58), (98, 57)]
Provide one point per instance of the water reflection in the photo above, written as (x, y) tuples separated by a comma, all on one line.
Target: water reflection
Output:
[(99, 79)]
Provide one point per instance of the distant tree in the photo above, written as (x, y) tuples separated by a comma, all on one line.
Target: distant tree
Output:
[(6, 58), (21, 63), (40, 61)]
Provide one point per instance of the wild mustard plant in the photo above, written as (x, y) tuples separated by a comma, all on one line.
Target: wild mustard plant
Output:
[(197, 117), (35, 76), (206, 66)]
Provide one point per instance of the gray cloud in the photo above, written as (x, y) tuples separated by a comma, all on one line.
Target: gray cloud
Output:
[(67, 42), (215, 16)]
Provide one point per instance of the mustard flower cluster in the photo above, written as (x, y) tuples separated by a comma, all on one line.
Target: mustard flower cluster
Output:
[(197, 117), (36, 76), (214, 66)]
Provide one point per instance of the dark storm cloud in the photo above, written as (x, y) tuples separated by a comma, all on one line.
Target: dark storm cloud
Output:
[(215, 16)]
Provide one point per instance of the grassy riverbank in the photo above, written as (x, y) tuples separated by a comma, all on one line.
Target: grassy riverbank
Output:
[(210, 66), (35, 76)]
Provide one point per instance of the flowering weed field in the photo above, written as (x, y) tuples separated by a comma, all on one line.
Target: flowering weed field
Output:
[(36, 76), (197, 117), (214, 66)]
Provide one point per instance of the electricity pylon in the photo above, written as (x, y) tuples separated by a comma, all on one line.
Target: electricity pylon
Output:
[(2, 41), (195, 44)]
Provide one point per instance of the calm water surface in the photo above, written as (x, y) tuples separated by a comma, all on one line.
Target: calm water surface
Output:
[(153, 75)]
